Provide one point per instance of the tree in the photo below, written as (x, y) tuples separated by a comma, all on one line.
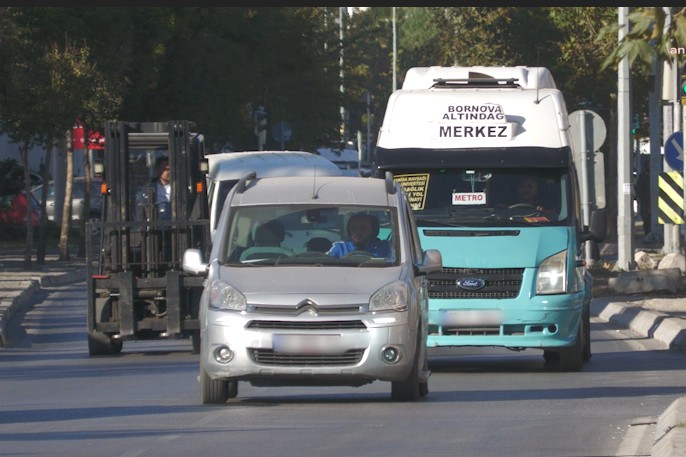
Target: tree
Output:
[(646, 42), (23, 100), (647, 38), (45, 89), (81, 92)]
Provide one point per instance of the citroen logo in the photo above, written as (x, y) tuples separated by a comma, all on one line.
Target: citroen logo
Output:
[(470, 283), (308, 306)]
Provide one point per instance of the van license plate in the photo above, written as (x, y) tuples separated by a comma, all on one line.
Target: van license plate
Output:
[(308, 344)]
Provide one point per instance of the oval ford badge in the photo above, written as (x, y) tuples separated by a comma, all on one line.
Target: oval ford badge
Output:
[(470, 283)]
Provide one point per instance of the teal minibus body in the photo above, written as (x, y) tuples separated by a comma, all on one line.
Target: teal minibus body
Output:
[(465, 142)]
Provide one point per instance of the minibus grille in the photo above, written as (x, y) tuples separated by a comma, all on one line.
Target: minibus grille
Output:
[(497, 282)]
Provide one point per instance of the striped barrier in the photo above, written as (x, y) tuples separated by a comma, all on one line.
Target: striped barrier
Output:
[(670, 199)]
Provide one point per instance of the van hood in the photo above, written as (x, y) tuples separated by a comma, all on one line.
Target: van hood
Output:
[(290, 285), (510, 247)]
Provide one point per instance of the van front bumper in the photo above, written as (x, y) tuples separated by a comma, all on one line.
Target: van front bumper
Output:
[(540, 322), (271, 350)]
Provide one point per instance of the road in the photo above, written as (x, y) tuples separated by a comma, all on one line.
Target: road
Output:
[(56, 400)]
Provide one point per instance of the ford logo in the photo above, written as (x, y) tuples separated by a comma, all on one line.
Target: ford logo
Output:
[(470, 283)]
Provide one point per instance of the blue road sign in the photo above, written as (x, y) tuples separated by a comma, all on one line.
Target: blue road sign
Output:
[(674, 151)]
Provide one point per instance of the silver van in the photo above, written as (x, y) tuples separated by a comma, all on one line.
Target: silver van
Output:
[(226, 168), (314, 281)]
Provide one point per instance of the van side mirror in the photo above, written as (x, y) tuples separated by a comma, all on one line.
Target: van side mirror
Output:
[(193, 263), (431, 261), (597, 229)]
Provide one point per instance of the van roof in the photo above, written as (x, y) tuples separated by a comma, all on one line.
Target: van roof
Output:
[(324, 190), (234, 165), (521, 76), (475, 117)]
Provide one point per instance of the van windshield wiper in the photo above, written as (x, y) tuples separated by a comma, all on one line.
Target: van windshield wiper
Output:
[(436, 223)]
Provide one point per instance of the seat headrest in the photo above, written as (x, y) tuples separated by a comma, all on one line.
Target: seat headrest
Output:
[(270, 233)]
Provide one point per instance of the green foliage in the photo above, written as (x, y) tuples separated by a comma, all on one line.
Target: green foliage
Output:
[(647, 38), (215, 65)]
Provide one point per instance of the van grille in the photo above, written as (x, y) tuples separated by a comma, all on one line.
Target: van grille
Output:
[(305, 325), (499, 282), (269, 357)]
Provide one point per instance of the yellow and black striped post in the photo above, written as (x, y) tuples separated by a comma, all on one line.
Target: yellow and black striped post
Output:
[(670, 199)]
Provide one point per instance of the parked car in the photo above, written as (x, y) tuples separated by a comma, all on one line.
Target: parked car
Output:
[(14, 209), (279, 308), (78, 195)]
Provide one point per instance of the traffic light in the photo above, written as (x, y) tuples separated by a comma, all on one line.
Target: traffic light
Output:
[(682, 83), (635, 124), (260, 120)]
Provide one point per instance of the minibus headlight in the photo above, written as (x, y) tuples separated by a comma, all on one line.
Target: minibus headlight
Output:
[(552, 275), (391, 297), (226, 297)]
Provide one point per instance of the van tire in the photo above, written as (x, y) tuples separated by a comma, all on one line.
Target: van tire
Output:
[(101, 344), (412, 388), (572, 357), (586, 332), (213, 391)]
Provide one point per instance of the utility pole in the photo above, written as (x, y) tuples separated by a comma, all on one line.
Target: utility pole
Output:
[(341, 13), (625, 217), (368, 150), (395, 53), (670, 124), (680, 105), (655, 157)]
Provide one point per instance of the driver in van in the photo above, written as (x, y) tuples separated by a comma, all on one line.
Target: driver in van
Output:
[(363, 230), (527, 192)]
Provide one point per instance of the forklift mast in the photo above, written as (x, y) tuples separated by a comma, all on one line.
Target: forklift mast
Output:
[(137, 287)]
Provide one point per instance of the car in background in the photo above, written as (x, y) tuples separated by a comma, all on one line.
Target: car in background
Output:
[(14, 210), (279, 309), (77, 203), (226, 168)]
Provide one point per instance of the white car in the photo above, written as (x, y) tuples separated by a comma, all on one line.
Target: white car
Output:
[(226, 168), (279, 308)]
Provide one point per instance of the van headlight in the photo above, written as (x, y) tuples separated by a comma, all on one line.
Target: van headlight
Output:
[(552, 275), (226, 297), (391, 297)]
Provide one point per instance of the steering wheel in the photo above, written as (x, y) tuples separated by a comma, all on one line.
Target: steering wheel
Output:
[(358, 253), (523, 205)]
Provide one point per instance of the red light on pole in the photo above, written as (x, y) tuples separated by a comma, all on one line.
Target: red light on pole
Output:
[(78, 140), (96, 140)]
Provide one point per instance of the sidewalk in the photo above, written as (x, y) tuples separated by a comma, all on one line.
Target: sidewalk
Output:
[(658, 316), (18, 286)]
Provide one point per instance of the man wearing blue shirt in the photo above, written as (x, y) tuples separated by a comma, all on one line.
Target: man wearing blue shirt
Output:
[(363, 230)]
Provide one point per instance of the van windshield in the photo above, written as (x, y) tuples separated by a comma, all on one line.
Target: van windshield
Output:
[(287, 235), (487, 196)]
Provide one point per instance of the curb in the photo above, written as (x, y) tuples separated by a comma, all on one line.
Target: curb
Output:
[(10, 305), (26, 289), (659, 326), (670, 433)]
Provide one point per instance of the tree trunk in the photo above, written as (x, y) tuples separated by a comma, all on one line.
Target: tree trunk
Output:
[(611, 174), (41, 241), (86, 199), (66, 213), (24, 152)]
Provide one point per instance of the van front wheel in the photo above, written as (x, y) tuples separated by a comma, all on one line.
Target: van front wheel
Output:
[(215, 391), (414, 386), (572, 357)]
